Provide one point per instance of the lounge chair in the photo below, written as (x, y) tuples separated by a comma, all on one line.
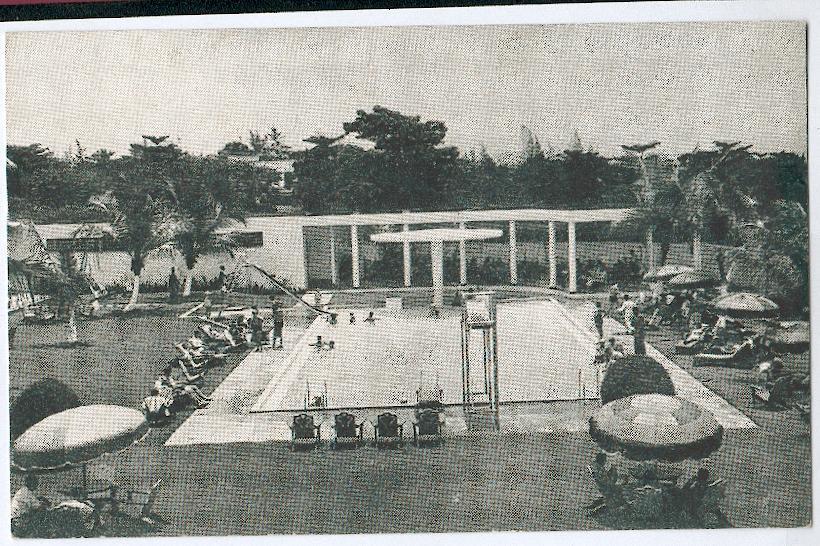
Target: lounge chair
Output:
[(694, 340), (776, 395), (387, 431), (348, 433), (737, 356), (305, 433), (427, 430), (116, 500)]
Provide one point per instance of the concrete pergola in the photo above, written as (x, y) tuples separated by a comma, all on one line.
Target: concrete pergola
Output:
[(461, 218), (437, 237)]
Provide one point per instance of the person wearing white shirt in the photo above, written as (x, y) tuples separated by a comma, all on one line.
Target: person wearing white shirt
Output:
[(25, 502)]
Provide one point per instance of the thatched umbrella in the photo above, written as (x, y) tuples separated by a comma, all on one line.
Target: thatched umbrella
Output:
[(693, 279), (745, 305), (656, 426), (791, 337), (666, 272), (77, 436)]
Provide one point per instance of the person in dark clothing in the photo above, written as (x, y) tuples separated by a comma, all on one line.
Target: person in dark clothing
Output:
[(256, 326), (599, 320), (278, 326), (173, 286), (220, 279), (639, 334)]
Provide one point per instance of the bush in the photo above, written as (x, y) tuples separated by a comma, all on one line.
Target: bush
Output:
[(635, 375), (38, 401)]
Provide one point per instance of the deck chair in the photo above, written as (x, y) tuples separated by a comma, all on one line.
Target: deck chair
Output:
[(776, 397), (348, 433), (119, 501), (387, 431), (427, 430), (305, 433)]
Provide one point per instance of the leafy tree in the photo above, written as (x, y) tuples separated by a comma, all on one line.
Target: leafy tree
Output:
[(409, 167), (236, 148)]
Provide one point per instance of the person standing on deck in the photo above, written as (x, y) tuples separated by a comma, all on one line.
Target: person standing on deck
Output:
[(173, 286), (628, 309), (639, 334), (599, 320), (278, 326)]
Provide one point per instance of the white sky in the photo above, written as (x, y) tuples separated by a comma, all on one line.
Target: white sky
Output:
[(683, 84)]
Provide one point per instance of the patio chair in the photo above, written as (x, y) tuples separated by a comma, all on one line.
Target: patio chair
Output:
[(118, 501), (305, 433), (387, 431), (348, 433), (427, 430)]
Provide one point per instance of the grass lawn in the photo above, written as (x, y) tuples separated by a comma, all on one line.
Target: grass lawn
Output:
[(486, 482)]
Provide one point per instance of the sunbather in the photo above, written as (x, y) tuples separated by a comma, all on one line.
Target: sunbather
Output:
[(192, 391)]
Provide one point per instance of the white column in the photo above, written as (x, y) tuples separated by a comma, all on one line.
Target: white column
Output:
[(697, 254), (437, 264), (551, 255), (462, 257), (650, 248), (573, 286), (354, 254), (406, 252), (334, 273), (513, 255)]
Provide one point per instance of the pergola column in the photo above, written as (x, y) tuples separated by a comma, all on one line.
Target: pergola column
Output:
[(406, 254), (551, 255), (462, 257), (334, 274), (437, 265), (573, 286), (513, 255), (354, 254)]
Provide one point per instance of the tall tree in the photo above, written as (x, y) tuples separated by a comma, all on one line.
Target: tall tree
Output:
[(202, 204)]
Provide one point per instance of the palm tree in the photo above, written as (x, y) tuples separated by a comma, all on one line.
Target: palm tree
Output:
[(62, 280), (138, 223), (203, 207)]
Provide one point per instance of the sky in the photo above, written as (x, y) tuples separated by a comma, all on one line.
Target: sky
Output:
[(684, 84)]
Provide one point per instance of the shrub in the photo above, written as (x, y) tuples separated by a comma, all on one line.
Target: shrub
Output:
[(635, 375), (38, 401)]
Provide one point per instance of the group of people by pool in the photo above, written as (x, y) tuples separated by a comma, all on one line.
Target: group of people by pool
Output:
[(333, 318)]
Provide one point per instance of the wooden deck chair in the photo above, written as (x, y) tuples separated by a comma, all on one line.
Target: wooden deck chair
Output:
[(427, 430), (305, 433), (387, 431), (348, 433)]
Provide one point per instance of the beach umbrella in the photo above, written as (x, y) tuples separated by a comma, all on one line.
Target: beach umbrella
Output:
[(745, 305), (693, 279), (77, 436), (791, 337), (666, 272), (656, 426)]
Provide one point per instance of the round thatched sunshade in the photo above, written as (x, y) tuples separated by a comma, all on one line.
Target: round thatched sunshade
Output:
[(745, 305), (656, 426), (666, 272), (693, 279), (792, 337), (77, 436)]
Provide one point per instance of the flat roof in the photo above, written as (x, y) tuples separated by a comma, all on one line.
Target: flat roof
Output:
[(438, 234), (522, 215)]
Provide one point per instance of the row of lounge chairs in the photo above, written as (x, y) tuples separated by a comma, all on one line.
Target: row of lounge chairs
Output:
[(388, 432)]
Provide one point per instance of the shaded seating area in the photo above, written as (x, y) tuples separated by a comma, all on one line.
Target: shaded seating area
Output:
[(305, 433)]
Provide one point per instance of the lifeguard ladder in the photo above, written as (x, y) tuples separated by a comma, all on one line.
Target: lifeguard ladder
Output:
[(480, 406)]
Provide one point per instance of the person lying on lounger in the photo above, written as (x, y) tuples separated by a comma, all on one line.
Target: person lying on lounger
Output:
[(191, 391)]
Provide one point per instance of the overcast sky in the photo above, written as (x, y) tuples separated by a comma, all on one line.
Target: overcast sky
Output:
[(683, 84)]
